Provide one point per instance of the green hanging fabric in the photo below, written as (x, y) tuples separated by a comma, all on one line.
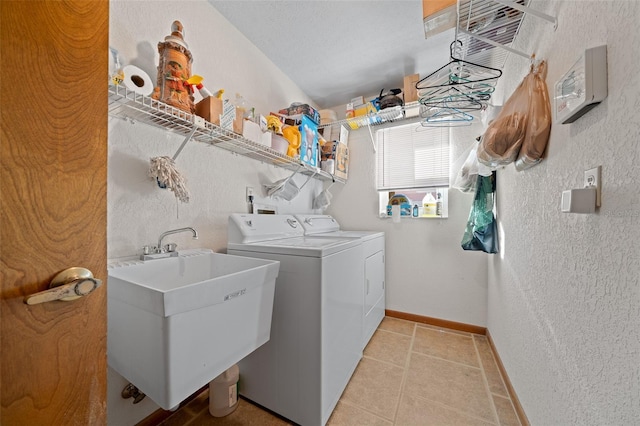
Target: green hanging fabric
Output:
[(481, 233)]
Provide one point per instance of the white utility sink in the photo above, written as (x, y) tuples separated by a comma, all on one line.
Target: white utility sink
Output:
[(174, 324)]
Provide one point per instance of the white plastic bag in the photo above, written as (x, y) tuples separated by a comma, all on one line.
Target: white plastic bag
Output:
[(468, 173)]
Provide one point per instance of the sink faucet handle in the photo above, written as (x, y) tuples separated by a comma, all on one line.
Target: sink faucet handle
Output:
[(170, 247), (147, 249)]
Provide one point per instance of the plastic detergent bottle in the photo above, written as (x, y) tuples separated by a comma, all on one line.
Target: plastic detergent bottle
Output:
[(223, 392), (429, 205)]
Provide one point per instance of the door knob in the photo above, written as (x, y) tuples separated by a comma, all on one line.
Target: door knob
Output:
[(68, 285)]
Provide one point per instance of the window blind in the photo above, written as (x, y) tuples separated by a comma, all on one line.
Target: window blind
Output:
[(412, 156)]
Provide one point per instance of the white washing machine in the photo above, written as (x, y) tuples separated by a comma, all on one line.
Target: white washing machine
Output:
[(316, 326), (373, 258)]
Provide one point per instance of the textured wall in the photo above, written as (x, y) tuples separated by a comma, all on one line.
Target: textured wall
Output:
[(138, 211), (427, 272), (564, 304)]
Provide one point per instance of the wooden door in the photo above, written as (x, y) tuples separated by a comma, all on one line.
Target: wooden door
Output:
[(53, 194)]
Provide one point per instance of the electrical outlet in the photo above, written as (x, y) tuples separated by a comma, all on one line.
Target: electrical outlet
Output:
[(249, 194), (592, 178)]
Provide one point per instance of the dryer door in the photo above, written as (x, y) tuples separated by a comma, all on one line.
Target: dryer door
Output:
[(374, 280)]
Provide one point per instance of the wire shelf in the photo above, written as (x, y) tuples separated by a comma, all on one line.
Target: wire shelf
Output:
[(491, 20), (127, 104), (393, 114), (484, 25)]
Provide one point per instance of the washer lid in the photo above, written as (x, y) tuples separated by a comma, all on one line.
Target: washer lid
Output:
[(309, 246), (326, 226), (365, 235), (317, 223)]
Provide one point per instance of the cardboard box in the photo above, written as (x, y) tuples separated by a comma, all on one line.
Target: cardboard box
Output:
[(410, 91), (438, 16), (216, 111), (210, 109), (262, 120), (238, 122), (228, 115), (327, 151), (339, 153), (309, 142), (309, 111), (290, 120), (432, 7), (365, 109), (341, 157), (358, 100), (344, 135)]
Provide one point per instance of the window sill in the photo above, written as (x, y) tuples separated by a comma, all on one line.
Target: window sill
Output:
[(384, 216)]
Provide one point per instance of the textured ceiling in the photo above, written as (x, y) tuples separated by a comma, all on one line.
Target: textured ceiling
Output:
[(336, 50)]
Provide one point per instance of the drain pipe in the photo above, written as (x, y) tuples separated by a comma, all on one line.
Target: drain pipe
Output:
[(130, 391)]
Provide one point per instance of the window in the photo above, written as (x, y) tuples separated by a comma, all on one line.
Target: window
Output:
[(413, 170)]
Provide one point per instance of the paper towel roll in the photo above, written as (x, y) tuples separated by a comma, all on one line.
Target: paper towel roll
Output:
[(137, 80)]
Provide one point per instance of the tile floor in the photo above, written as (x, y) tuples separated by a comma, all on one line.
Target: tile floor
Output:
[(411, 374)]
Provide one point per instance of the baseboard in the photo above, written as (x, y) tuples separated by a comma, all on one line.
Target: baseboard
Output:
[(512, 393), (160, 415), (459, 326), (155, 418)]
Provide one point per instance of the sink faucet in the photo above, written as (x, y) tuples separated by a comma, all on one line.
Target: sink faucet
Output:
[(159, 247), (159, 252)]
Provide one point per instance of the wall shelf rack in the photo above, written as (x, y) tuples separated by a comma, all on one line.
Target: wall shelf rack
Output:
[(409, 111), (132, 106), (485, 24)]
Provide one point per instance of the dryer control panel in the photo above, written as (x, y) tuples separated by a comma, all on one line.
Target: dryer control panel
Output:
[(251, 228)]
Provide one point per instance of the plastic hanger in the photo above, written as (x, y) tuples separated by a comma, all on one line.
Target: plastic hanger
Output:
[(477, 91), (446, 117)]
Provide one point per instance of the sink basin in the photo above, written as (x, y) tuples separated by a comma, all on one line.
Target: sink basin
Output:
[(175, 324)]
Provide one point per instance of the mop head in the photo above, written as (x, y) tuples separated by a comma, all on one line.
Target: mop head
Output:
[(163, 170)]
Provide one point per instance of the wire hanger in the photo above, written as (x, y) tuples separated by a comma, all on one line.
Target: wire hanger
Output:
[(458, 72), (458, 100)]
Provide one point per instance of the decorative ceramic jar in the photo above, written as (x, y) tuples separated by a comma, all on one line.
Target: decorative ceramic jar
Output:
[(173, 71)]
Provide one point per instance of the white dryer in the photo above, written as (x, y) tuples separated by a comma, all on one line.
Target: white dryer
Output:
[(316, 326), (373, 261)]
